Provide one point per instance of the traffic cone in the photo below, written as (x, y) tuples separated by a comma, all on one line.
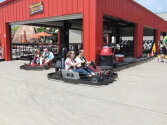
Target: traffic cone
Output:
[(148, 55), (152, 53)]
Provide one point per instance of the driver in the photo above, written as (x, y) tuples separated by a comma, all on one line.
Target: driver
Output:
[(47, 57), (81, 58), (87, 65)]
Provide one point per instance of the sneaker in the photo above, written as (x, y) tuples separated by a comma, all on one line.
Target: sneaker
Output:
[(90, 75), (107, 72), (162, 60), (93, 73)]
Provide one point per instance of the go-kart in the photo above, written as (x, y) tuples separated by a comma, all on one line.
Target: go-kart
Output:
[(34, 66), (99, 77)]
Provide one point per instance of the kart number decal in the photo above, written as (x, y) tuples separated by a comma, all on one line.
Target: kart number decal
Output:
[(70, 74)]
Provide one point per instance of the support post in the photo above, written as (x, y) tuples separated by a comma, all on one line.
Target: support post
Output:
[(6, 42), (64, 35), (59, 43), (138, 41), (93, 29)]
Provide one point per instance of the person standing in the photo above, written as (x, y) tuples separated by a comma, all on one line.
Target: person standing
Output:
[(164, 49), (164, 45)]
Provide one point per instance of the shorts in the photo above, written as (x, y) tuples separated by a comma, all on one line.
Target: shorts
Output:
[(164, 51)]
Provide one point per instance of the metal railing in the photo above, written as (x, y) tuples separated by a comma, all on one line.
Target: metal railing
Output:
[(28, 49)]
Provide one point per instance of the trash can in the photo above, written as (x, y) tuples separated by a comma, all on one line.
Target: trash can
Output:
[(106, 56)]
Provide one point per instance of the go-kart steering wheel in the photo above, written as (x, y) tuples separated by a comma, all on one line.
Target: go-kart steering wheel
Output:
[(93, 64)]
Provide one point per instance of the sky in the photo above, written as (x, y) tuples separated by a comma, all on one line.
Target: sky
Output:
[(155, 6), (2, 0)]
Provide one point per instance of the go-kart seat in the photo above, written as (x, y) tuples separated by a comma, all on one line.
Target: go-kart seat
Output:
[(40, 46), (60, 58), (75, 48), (50, 47)]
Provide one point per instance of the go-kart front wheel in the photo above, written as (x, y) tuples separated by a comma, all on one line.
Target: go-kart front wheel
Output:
[(94, 79)]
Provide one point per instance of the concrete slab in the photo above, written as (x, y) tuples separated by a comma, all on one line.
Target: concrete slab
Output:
[(29, 98)]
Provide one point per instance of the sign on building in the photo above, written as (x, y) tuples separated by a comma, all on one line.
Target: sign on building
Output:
[(36, 8)]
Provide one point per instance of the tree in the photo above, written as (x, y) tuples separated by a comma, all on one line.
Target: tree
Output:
[(14, 29), (40, 29)]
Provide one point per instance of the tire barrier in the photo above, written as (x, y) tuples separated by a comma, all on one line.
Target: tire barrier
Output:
[(126, 47), (148, 45)]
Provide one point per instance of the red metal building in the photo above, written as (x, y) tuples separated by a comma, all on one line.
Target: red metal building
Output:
[(92, 12)]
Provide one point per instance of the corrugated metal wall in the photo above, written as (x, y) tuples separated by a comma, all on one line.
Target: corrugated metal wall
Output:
[(18, 10)]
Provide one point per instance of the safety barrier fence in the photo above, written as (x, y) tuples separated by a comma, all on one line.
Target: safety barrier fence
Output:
[(28, 49)]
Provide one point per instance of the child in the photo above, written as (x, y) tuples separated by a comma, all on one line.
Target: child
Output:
[(37, 57)]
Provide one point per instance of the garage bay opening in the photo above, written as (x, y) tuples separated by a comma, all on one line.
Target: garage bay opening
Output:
[(27, 36)]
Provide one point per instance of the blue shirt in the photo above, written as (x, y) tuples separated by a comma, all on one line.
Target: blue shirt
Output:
[(48, 55)]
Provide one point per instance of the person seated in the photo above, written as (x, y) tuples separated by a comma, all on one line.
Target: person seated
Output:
[(81, 58), (71, 64), (47, 57), (86, 65), (37, 57)]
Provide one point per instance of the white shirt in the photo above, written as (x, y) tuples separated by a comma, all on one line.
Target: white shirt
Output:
[(78, 59)]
